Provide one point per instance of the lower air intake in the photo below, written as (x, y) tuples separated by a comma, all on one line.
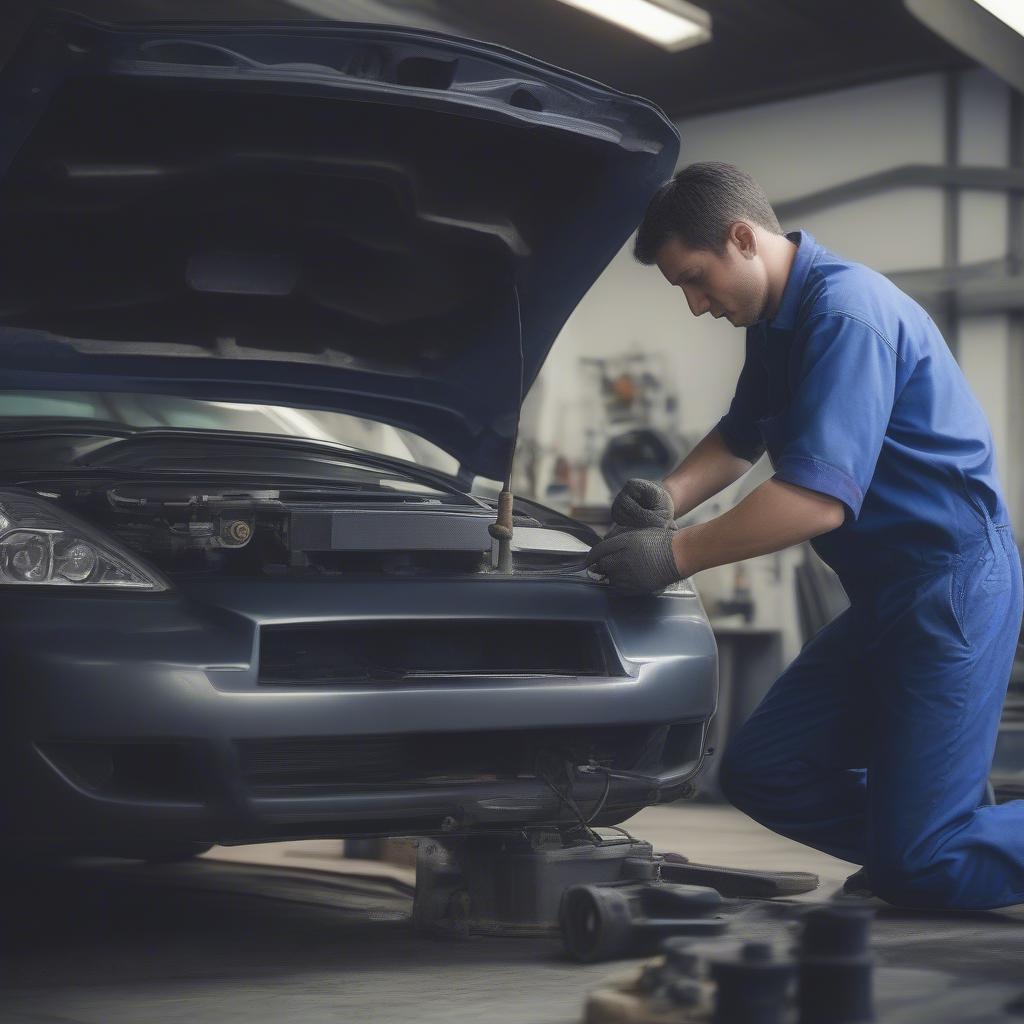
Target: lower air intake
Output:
[(400, 651), (276, 765)]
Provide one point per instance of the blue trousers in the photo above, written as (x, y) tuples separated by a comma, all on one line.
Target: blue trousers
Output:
[(876, 743)]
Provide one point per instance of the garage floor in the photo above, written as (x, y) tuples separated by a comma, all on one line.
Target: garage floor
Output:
[(276, 934)]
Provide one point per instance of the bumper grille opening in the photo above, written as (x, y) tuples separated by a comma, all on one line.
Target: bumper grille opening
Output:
[(158, 770), (272, 765), (382, 652)]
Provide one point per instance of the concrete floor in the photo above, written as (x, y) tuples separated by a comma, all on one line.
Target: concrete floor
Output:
[(260, 935)]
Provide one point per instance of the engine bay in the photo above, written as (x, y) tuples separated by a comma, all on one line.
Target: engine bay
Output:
[(302, 531)]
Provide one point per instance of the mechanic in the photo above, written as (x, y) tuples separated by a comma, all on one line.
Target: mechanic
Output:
[(876, 743)]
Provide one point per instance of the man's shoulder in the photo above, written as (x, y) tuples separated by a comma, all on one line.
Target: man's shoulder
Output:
[(839, 285), (839, 288)]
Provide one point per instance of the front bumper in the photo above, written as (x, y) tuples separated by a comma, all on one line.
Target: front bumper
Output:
[(171, 684)]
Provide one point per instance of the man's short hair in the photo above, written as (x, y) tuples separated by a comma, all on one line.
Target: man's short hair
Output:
[(699, 205)]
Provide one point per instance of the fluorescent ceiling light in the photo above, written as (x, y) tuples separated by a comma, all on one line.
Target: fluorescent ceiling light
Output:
[(988, 31), (670, 24), (1010, 12)]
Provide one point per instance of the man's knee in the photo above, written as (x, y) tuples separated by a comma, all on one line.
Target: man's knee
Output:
[(908, 878), (757, 780), (739, 776)]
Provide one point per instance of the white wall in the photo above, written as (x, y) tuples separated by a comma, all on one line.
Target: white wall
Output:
[(791, 148)]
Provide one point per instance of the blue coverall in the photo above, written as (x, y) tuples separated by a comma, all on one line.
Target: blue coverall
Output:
[(876, 743)]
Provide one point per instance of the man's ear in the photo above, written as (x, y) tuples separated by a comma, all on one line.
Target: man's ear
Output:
[(742, 235)]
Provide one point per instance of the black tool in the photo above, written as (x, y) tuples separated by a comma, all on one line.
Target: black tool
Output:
[(737, 883), (836, 966), (752, 987), (618, 919)]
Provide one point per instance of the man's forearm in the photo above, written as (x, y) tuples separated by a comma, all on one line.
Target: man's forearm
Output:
[(708, 469), (774, 516)]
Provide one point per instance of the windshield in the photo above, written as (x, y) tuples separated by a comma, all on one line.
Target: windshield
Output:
[(169, 411)]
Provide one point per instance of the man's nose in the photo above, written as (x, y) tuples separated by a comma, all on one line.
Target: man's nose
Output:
[(697, 302)]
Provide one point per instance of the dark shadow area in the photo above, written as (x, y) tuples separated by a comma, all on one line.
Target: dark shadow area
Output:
[(108, 941)]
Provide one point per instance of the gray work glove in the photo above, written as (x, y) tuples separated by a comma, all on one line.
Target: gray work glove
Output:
[(636, 561), (641, 503)]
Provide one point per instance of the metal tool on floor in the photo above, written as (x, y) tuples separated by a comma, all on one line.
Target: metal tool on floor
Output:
[(737, 883), (836, 966), (752, 986), (513, 885), (828, 982), (619, 919), (747, 984)]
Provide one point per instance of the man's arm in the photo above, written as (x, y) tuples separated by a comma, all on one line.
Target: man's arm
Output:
[(773, 516), (837, 421), (708, 469), (835, 429)]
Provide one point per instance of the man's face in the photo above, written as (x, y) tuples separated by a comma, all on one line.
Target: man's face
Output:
[(733, 285)]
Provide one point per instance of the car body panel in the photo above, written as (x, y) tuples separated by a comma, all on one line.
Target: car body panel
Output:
[(476, 195), (385, 223), (181, 668)]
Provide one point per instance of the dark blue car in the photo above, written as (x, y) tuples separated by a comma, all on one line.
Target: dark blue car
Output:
[(270, 298)]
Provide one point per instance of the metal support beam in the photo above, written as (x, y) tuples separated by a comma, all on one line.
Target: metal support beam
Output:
[(1016, 199), (1015, 327), (979, 179), (987, 287), (933, 281), (950, 323)]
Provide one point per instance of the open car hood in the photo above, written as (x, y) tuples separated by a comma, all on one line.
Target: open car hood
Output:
[(391, 223)]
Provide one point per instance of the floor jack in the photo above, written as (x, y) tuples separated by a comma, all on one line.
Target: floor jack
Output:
[(609, 893)]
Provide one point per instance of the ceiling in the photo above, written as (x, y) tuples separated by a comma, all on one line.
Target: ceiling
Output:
[(761, 50)]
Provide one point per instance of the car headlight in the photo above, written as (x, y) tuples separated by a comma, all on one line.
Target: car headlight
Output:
[(41, 544)]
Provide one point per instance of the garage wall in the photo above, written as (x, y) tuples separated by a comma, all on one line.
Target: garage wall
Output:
[(792, 148)]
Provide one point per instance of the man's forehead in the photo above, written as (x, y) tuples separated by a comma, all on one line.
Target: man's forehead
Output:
[(676, 257)]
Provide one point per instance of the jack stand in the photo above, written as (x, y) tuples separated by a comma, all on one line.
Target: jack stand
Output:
[(514, 885)]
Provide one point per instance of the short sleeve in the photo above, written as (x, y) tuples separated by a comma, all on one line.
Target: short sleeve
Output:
[(844, 389), (738, 427)]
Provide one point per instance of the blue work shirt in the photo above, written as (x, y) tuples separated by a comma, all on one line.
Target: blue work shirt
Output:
[(853, 392)]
